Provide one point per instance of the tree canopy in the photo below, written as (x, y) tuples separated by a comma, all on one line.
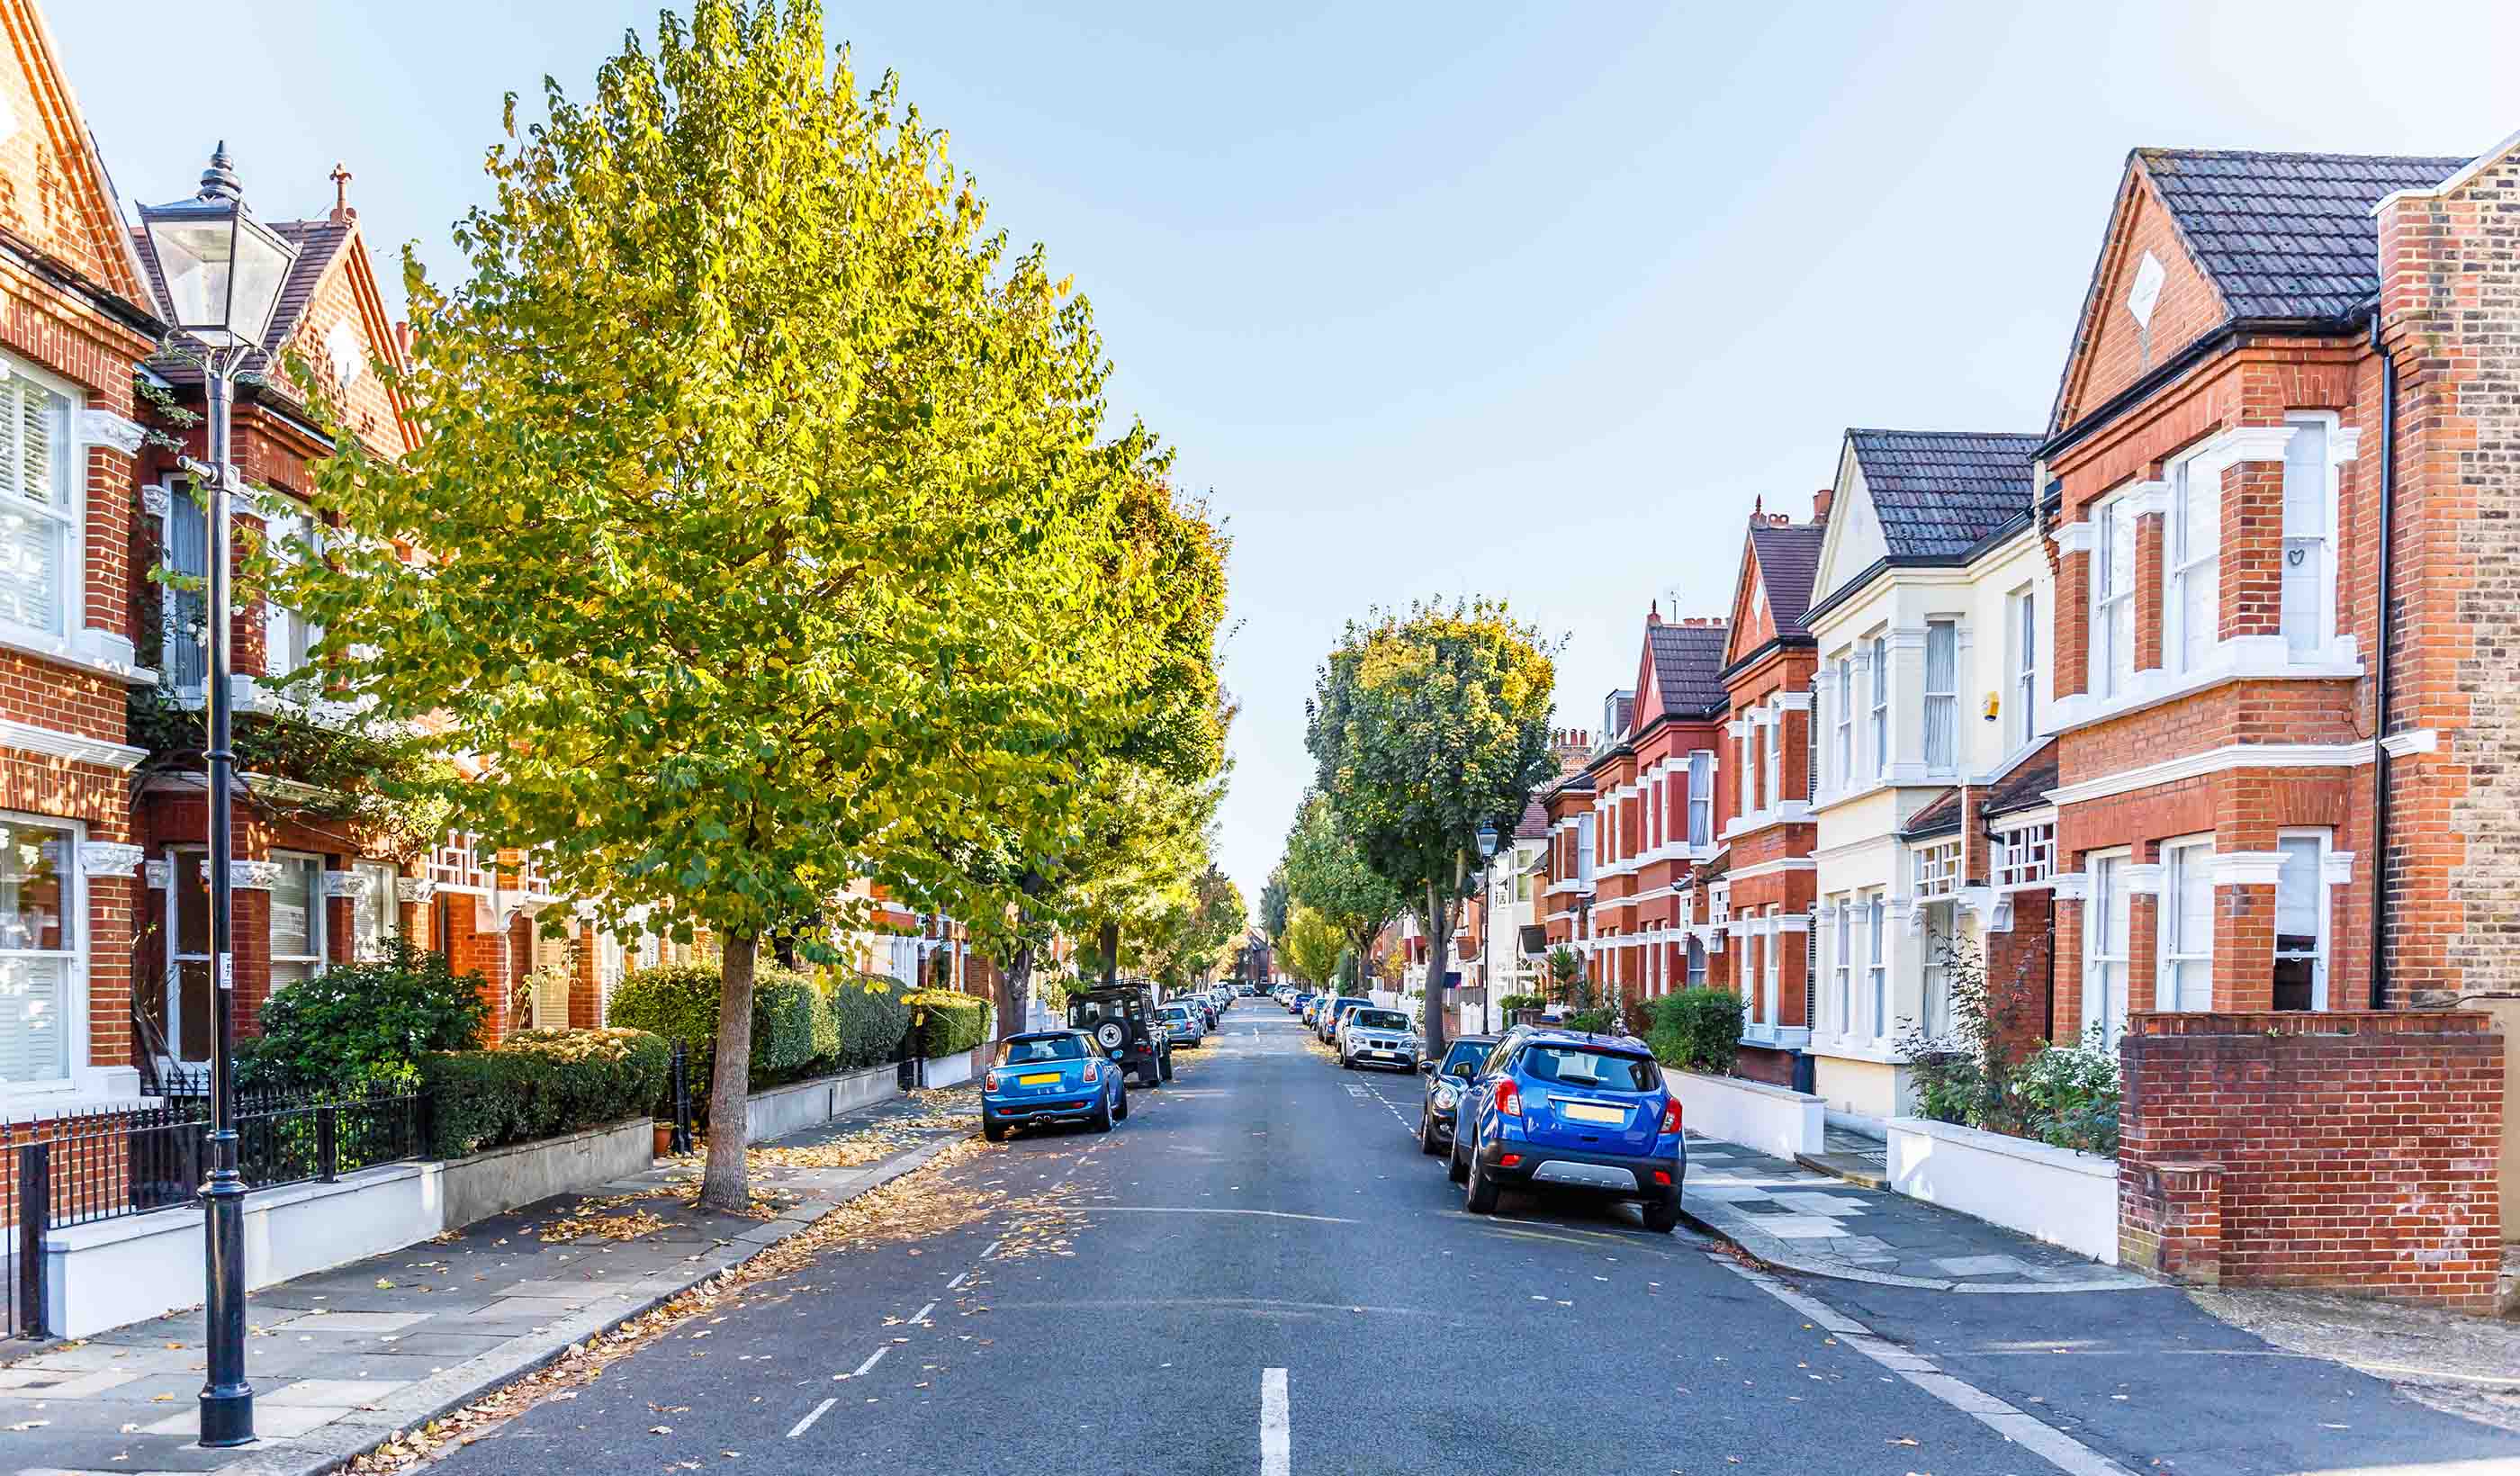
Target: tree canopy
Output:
[(1327, 872)]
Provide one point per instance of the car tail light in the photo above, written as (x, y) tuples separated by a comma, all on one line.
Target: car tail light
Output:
[(992, 1083), (1671, 1117), (1509, 1160), (1093, 1071), (1509, 1099), (1661, 1177)]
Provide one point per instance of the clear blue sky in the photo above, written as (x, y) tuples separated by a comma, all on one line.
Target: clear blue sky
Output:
[(1529, 301)]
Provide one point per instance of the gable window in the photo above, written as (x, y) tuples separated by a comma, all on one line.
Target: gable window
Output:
[(1942, 694), (39, 949), (1881, 706), (296, 920), (38, 507), (2021, 624), (2308, 548), (2301, 921), (1845, 721), (2112, 600), (2192, 558), (2104, 933), (2187, 980)]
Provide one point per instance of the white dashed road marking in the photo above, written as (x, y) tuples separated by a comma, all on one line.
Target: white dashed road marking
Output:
[(1276, 1456), (807, 1423), (873, 1359)]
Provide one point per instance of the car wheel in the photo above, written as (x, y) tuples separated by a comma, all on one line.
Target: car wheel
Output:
[(1347, 1062), (1662, 1216), (1482, 1196), (1166, 1066), (1426, 1133), (994, 1132), (1121, 1109), (1102, 1115), (1455, 1170)]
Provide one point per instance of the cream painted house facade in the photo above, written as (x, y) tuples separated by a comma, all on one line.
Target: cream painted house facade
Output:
[(1930, 616)]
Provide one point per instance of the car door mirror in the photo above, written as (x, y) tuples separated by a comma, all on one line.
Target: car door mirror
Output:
[(1427, 1068)]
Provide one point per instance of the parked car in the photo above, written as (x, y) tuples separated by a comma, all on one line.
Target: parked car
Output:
[(1125, 1027), (1326, 1020), (1313, 1003), (1183, 1021), (1371, 1037), (1051, 1076), (1556, 1109), (1446, 1081)]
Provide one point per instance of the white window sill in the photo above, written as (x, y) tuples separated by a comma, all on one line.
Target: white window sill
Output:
[(1777, 1036), (99, 652), (89, 1088), (1857, 1047)]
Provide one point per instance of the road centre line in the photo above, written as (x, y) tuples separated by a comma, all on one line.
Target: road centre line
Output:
[(2050, 1444), (920, 1316), (1196, 1209), (1276, 1441), (873, 1359), (955, 1282), (807, 1423)]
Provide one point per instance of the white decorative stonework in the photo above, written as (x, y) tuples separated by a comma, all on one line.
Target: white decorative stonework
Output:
[(161, 874), (247, 875), (2147, 499), (106, 429), (352, 884), (2072, 537), (2141, 879), (2345, 444), (109, 858), (2072, 886), (414, 889), (156, 502), (2417, 741), (2337, 868), (2247, 867)]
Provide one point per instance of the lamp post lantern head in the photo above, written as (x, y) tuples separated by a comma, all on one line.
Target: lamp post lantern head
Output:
[(1487, 841), (223, 268)]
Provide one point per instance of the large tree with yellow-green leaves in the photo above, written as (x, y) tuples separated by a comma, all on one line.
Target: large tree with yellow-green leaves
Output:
[(766, 535), (1424, 727)]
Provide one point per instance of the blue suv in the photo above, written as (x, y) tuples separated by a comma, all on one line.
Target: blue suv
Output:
[(1560, 1109)]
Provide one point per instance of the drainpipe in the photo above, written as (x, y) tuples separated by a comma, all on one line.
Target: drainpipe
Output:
[(2381, 674)]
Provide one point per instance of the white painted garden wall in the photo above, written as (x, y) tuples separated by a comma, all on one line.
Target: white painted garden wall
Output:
[(2055, 1194)]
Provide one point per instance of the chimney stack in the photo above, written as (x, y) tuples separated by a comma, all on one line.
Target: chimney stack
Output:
[(342, 214), (1819, 504), (1654, 612)]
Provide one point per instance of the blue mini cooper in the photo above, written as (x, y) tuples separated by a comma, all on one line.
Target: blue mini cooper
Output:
[(1051, 1076)]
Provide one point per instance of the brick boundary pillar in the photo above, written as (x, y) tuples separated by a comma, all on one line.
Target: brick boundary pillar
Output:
[(2170, 1221)]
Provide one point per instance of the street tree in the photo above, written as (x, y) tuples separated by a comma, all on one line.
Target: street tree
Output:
[(758, 529), (1327, 872), (1313, 945), (1424, 727), (1273, 902)]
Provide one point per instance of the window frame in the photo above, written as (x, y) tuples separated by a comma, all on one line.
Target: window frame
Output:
[(1934, 869), (1947, 715), (2323, 952), (2182, 860), (72, 1002), (316, 960), (68, 518), (2112, 668), (1702, 792), (2106, 870), (2025, 856), (2323, 627), (1880, 710), (1772, 759), (1844, 965), (2021, 623), (2184, 567), (1877, 966), (1846, 721), (287, 518), (382, 877)]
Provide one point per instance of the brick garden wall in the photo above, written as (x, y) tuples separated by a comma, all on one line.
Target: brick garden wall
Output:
[(2351, 1150)]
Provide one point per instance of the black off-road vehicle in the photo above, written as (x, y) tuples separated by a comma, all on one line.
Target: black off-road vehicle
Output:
[(1124, 1024)]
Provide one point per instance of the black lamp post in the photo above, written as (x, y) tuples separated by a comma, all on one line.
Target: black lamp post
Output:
[(223, 271)]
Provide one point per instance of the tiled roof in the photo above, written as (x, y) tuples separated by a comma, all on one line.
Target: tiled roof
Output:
[(1789, 562), (2286, 235), (1941, 815), (1939, 492), (318, 242), (1578, 783), (1688, 664), (2026, 786), (1534, 825)]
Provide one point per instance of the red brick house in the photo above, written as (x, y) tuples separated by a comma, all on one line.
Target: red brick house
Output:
[(2277, 481), (74, 329), (1765, 901)]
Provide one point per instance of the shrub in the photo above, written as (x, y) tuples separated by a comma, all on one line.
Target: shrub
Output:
[(1600, 1020), (1520, 1001), (869, 1014), (1697, 1030), (542, 1083), (354, 1021), (2068, 1097), (949, 1022), (793, 1029)]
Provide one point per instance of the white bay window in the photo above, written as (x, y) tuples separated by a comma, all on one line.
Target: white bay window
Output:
[(1942, 696), (2301, 921), (2113, 598), (2187, 974), (38, 508), (2309, 542), (40, 943), (2191, 561)]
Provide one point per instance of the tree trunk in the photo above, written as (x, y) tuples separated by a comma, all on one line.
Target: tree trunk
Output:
[(1110, 944), (1438, 945), (724, 1185)]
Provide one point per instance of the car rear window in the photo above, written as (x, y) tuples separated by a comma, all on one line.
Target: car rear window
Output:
[(1584, 1066), (1049, 1048), (1380, 1019)]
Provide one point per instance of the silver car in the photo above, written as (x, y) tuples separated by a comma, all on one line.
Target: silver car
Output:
[(1184, 1024), (1373, 1037)]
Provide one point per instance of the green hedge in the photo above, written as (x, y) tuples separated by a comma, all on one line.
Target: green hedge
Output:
[(949, 1023), (801, 1027), (1520, 1001), (541, 1084), (1697, 1030), (869, 1014), (365, 1020)]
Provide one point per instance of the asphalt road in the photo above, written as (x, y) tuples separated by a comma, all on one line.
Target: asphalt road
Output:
[(1258, 1272)]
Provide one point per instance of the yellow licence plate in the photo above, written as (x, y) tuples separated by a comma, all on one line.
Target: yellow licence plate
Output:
[(1038, 1079), (1587, 1112)]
